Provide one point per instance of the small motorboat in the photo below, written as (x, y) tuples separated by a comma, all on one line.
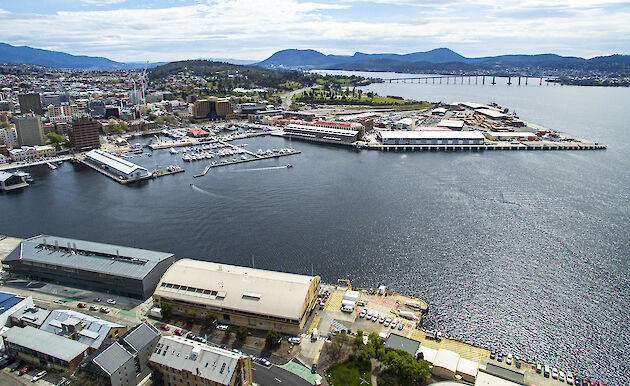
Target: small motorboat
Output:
[(289, 166)]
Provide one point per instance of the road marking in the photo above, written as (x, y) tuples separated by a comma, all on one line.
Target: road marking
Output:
[(279, 381)]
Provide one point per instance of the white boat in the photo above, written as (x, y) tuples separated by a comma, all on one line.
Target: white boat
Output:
[(243, 157), (172, 151), (186, 157)]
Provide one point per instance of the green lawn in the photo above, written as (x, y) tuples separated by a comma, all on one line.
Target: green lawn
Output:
[(349, 373)]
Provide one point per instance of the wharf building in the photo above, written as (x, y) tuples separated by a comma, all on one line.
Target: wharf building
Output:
[(43, 349), (179, 361), (254, 298), (322, 133), (213, 108), (125, 361), (29, 130), (94, 266), (10, 181), (83, 134), (30, 103), (121, 168), (425, 137)]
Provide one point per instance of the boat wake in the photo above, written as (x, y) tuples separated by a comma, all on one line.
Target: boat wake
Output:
[(198, 189), (258, 169)]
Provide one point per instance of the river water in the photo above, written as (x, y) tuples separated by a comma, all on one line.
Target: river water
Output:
[(526, 252)]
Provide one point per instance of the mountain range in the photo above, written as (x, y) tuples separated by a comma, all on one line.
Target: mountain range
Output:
[(444, 60), (56, 59), (440, 60)]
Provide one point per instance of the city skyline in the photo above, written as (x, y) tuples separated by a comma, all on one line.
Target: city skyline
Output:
[(167, 30)]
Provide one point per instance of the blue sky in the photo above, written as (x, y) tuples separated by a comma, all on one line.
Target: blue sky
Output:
[(164, 30)]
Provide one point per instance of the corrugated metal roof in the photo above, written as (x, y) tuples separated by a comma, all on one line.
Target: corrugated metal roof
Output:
[(282, 295), (325, 130), (112, 358), (120, 263), (141, 336), (45, 342), (114, 162), (427, 134), (207, 362), (93, 333)]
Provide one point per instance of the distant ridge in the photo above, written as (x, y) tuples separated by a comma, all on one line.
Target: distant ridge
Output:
[(443, 60)]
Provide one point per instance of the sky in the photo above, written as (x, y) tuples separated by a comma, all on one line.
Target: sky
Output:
[(167, 30)]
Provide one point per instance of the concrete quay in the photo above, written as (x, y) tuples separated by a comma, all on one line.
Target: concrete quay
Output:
[(208, 167)]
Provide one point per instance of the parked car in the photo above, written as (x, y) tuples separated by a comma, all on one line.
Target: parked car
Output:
[(190, 336), (375, 317), (388, 321), (394, 323), (165, 327), (93, 308), (500, 357), (4, 362), (178, 332), (369, 315), (39, 376), (111, 301), (294, 340), (508, 360), (570, 379), (539, 368), (81, 305), (401, 325), (314, 368), (222, 327), (97, 299), (105, 310), (362, 314), (24, 370), (16, 366), (381, 320), (554, 373)]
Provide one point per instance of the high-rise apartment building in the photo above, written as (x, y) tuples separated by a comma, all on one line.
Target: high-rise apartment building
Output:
[(83, 134), (29, 130), (30, 103), (8, 136)]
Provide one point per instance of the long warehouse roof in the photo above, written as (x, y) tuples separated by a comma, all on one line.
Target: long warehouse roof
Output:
[(114, 162), (325, 130), (430, 134), (271, 293), (88, 256), (45, 342)]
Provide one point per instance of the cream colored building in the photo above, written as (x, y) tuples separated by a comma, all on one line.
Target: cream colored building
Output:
[(181, 361), (45, 151), (241, 296)]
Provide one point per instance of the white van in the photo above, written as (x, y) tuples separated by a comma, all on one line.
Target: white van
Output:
[(547, 371), (346, 308)]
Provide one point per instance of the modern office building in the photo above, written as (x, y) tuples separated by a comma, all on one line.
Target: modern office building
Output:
[(321, 133), (83, 264), (126, 361), (43, 349), (213, 108), (87, 329), (10, 303), (426, 137), (29, 130), (30, 103), (96, 108), (181, 361), (83, 134), (254, 298), (122, 168)]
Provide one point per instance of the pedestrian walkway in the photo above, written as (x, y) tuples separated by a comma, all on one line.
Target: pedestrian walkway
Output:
[(301, 371), (314, 323)]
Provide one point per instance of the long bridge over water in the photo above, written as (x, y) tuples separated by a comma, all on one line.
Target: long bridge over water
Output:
[(478, 79)]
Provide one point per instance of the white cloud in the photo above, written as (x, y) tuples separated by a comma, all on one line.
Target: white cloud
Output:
[(100, 3), (247, 29)]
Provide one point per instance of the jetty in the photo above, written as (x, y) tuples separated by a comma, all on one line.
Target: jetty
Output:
[(257, 158)]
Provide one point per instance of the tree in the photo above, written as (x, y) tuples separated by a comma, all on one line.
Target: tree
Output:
[(241, 333), (167, 311), (159, 121), (210, 319), (190, 317), (272, 340), (124, 126), (228, 332)]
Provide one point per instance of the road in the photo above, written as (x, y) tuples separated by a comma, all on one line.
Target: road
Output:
[(274, 376), (288, 98)]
